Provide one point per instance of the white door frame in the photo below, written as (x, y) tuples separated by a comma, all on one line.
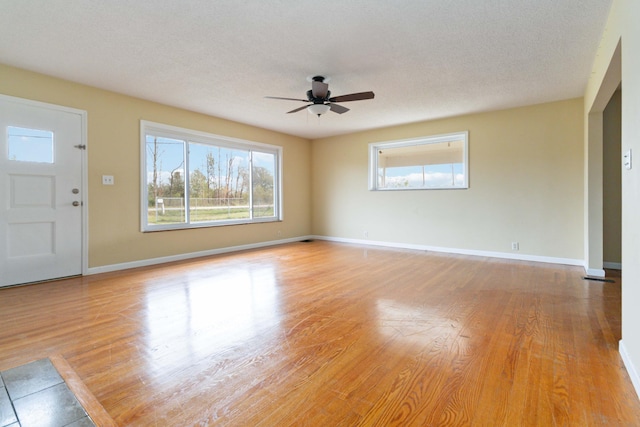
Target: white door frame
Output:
[(85, 181)]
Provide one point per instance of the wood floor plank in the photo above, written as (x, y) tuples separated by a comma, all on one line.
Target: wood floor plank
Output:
[(88, 401), (319, 334)]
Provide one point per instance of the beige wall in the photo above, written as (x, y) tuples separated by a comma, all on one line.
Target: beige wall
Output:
[(114, 149), (612, 185), (631, 183), (526, 185), (622, 30)]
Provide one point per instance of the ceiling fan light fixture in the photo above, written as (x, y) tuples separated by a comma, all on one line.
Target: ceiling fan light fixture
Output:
[(318, 109)]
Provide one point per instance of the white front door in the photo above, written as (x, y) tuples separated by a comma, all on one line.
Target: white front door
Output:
[(40, 191)]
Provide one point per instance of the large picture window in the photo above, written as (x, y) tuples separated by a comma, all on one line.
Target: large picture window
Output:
[(194, 179), (433, 162)]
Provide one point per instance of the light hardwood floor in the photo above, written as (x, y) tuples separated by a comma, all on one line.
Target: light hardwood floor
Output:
[(326, 334)]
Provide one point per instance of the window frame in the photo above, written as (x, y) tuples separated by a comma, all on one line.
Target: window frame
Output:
[(199, 137), (375, 147)]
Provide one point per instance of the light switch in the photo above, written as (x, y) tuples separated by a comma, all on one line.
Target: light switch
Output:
[(627, 159), (107, 179)]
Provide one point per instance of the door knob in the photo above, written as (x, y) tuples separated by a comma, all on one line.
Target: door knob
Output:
[(75, 191), (76, 203)]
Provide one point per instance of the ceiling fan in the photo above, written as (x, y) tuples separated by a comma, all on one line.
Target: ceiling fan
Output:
[(320, 101)]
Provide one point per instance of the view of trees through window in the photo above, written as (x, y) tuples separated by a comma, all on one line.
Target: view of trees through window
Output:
[(196, 183)]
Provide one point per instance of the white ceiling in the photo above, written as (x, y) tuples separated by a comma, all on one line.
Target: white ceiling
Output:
[(424, 59)]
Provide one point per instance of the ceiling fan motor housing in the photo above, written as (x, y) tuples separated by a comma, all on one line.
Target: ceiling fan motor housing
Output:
[(315, 100)]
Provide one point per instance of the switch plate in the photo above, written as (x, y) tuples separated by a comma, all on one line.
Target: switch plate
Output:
[(627, 159), (107, 180)]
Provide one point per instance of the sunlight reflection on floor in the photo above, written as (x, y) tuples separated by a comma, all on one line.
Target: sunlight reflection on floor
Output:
[(222, 310)]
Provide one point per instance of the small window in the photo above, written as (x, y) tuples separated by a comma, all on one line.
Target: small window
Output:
[(29, 145), (433, 162), (194, 179)]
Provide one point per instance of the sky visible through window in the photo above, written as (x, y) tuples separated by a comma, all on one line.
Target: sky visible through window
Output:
[(171, 157), (433, 176)]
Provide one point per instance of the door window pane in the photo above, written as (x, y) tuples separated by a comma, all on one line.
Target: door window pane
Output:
[(30, 145)]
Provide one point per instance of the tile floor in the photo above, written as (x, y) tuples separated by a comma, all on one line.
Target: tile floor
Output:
[(36, 395)]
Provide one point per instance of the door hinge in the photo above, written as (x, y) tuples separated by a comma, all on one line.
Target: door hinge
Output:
[(81, 146)]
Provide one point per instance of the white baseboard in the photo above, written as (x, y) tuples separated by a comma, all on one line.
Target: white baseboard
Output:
[(594, 272), (504, 255), (633, 373), (181, 257), (612, 265)]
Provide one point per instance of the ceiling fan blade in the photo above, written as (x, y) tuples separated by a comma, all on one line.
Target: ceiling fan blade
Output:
[(287, 99), (352, 97), (338, 108), (298, 109), (319, 89)]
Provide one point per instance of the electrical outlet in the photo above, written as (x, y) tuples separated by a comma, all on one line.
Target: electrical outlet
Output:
[(366, 234), (515, 246), (107, 180), (279, 233)]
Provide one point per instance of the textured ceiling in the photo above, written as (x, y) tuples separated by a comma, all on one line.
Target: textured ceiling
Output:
[(424, 59)]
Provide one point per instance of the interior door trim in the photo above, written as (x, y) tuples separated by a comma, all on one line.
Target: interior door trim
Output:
[(83, 166)]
